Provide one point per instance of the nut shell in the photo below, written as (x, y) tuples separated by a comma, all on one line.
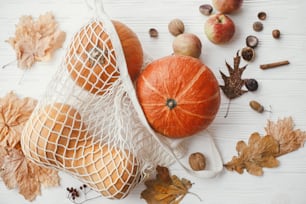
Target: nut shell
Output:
[(248, 53), (262, 15), (153, 32), (206, 9), (197, 161), (251, 84), (276, 33), (176, 27), (257, 26), (251, 41)]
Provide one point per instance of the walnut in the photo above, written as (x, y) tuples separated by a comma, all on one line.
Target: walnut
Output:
[(197, 161), (176, 27)]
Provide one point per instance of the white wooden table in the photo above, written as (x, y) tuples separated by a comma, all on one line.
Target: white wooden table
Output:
[(283, 88)]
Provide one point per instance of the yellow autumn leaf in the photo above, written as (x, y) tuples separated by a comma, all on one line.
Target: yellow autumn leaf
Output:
[(281, 138), (258, 153), (165, 189)]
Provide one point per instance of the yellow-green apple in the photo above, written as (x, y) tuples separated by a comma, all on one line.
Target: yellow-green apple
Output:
[(227, 6), (219, 28), (187, 44)]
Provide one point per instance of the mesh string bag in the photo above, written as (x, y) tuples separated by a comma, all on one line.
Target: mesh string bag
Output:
[(89, 122)]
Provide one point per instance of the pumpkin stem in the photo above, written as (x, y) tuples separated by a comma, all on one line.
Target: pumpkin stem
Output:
[(171, 103)]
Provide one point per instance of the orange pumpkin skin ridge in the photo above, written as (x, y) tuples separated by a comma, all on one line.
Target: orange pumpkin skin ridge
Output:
[(92, 42), (190, 84)]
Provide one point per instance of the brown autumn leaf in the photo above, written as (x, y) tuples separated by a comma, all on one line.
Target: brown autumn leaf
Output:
[(233, 83), (36, 40), (283, 131), (281, 139), (18, 172), (258, 153), (14, 112), (165, 189)]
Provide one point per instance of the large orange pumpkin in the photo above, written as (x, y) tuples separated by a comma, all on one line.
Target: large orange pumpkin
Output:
[(91, 59), (179, 95)]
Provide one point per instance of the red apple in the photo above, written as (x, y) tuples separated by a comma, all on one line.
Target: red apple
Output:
[(219, 28), (227, 6)]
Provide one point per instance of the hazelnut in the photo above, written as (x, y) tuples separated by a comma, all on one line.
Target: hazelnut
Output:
[(262, 15), (176, 27), (206, 9), (276, 34), (197, 161), (153, 33), (257, 26)]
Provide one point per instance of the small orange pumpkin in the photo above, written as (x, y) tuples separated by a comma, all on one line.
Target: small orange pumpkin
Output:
[(91, 59), (179, 95)]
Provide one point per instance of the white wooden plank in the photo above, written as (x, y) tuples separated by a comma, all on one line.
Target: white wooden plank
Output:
[(282, 88)]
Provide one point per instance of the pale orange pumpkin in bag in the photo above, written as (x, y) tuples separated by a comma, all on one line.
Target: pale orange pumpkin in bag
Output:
[(91, 59), (58, 138)]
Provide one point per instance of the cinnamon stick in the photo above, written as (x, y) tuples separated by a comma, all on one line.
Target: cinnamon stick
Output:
[(274, 64)]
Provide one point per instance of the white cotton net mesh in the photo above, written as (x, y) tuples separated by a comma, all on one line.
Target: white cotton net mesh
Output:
[(86, 123), (89, 122)]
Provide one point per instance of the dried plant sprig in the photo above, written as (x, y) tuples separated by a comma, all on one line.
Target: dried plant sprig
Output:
[(81, 195)]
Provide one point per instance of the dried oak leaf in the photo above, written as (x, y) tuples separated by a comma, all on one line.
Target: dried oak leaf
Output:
[(14, 112), (165, 189), (233, 83), (18, 172), (283, 131), (36, 40), (258, 153)]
